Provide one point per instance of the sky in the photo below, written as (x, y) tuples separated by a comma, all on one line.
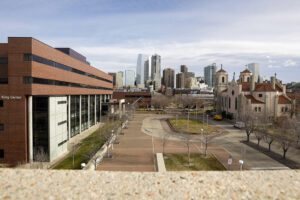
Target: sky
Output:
[(111, 33)]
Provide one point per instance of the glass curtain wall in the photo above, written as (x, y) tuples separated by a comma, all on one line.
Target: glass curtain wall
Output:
[(40, 126), (84, 112), (98, 103), (92, 110), (75, 115)]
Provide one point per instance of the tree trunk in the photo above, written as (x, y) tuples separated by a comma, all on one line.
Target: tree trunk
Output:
[(258, 141), (205, 149), (270, 146), (284, 153), (248, 137)]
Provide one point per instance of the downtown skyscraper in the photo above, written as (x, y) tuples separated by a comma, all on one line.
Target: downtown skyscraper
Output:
[(156, 71), (140, 69)]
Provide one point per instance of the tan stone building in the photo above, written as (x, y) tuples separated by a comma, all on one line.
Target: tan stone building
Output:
[(238, 97)]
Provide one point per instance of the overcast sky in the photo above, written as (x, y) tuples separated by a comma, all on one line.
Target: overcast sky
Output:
[(110, 33)]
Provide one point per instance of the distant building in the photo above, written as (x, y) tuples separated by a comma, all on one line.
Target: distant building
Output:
[(119, 79), (254, 69), (140, 98), (180, 80), (209, 74), (156, 71), (183, 68), (147, 71), (140, 69), (168, 77), (113, 74), (183, 76), (129, 78), (246, 96)]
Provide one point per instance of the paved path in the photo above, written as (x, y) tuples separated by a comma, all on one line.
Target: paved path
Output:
[(134, 152)]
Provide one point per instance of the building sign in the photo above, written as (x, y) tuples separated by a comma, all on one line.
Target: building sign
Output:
[(3, 97)]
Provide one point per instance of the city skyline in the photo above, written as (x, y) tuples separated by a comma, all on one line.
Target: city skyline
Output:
[(235, 33)]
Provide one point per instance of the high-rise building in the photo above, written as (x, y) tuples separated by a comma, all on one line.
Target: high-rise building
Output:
[(113, 74), (147, 70), (129, 78), (156, 71), (180, 80), (140, 69), (183, 69), (254, 68), (168, 77), (183, 77), (210, 74), (119, 79)]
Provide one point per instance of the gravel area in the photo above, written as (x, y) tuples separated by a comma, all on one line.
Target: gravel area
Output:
[(64, 184)]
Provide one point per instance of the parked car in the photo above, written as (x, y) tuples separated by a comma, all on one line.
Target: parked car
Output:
[(239, 125), (218, 117)]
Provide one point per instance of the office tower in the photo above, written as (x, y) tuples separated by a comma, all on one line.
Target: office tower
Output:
[(155, 71), (119, 79), (183, 69), (129, 78), (180, 80), (147, 70), (140, 69), (168, 77), (210, 74), (51, 96), (254, 68), (113, 74)]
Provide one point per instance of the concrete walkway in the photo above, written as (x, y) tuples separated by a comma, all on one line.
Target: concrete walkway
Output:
[(134, 152)]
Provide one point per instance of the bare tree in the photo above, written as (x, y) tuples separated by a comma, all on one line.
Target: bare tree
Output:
[(286, 136), (40, 157), (259, 134), (269, 138), (187, 141), (249, 124)]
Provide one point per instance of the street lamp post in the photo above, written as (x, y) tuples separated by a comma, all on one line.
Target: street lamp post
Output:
[(188, 121), (207, 120), (202, 138)]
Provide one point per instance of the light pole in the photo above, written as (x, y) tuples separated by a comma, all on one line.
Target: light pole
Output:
[(188, 121), (207, 120), (202, 138)]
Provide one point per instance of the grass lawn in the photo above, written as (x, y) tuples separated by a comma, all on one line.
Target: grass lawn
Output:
[(179, 162), (194, 126), (90, 144)]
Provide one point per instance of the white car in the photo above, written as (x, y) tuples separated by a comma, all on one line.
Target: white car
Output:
[(239, 125)]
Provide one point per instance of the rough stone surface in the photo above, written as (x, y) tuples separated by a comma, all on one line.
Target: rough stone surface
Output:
[(61, 184)]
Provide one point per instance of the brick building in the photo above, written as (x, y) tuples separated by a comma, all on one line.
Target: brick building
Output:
[(47, 96)]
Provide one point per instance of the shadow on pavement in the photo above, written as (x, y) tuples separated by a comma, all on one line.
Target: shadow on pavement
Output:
[(287, 162)]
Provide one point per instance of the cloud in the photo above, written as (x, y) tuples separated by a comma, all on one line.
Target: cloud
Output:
[(289, 63)]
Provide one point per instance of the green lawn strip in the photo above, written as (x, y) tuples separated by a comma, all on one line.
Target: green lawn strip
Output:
[(90, 144), (194, 126), (179, 162)]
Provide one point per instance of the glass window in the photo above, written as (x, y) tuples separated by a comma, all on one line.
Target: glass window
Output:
[(260, 95), (61, 102), (3, 60), (1, 127), (84, 112), (1, 103), (40, 126), (92, 110), (1, 153), (31, 57), (75, 112)]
